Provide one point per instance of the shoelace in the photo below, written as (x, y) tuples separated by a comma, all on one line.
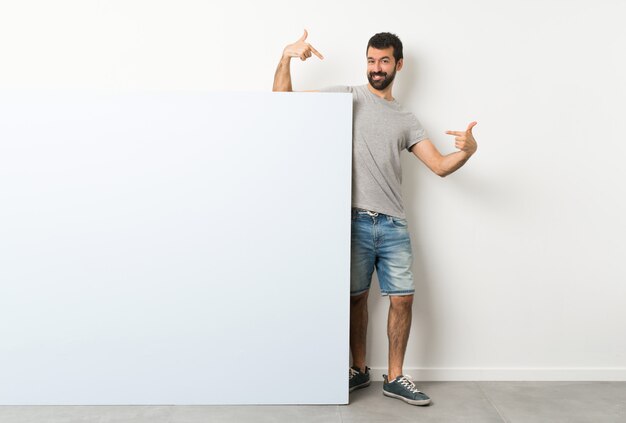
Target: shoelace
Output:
[(407, 382), (353, 373)]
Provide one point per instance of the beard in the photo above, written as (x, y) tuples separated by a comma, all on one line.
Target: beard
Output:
[(383, 83)]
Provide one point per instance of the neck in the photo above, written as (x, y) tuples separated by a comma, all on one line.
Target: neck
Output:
[(384, 94)]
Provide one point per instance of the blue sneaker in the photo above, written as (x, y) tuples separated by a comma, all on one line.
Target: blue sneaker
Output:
[(358, 379), (404, 389)]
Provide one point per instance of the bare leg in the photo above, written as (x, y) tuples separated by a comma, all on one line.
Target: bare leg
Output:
[(358, 329), (398, 328)]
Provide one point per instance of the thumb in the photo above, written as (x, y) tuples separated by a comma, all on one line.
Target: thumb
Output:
[(470, 126), (306, 34)]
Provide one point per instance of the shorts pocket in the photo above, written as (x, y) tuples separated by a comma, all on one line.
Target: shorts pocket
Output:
[(399, 223)]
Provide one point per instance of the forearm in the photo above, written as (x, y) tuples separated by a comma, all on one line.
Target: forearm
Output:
[(450, 163), (282, 77)]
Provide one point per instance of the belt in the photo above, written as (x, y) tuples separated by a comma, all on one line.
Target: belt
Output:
[(370, 213)]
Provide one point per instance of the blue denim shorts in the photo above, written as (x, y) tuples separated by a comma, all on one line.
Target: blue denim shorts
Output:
[(383, 243)]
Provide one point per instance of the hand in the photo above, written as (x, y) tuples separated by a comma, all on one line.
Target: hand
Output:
[(301, 49), (465, 141)]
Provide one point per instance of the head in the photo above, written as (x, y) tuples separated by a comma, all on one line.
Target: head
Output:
[(384, 59)]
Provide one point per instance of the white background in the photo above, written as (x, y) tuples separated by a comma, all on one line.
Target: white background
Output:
[(518, 256)]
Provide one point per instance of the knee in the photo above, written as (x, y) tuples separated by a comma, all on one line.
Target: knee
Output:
[(359, 300), (401, 301)]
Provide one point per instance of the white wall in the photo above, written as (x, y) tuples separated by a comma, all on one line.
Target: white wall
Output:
[(519, 256)]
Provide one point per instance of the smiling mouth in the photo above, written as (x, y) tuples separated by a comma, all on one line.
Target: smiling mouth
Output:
[(377, 77)]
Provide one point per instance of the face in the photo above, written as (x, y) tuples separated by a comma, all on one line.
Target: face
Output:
[(381, 67)]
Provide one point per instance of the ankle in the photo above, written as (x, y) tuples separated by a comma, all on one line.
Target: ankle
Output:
[(392, 376), (362, 368)]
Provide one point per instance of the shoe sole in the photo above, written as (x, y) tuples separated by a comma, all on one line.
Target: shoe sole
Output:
[(408, 401), (363, 385)]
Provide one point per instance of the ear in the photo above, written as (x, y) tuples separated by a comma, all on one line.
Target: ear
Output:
[(399, 64)]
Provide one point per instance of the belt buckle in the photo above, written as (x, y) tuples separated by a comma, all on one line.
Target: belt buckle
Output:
[(372, 214)]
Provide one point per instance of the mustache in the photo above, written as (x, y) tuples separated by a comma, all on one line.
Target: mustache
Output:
[(378, 74)]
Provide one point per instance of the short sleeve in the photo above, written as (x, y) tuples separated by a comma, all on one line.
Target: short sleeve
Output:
[(337, 89), (416, 134)]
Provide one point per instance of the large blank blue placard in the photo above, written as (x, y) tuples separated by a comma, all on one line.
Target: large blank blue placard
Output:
[(174, 249)]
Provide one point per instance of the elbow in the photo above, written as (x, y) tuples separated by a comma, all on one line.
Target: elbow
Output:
[(441, 172), (439, 167)]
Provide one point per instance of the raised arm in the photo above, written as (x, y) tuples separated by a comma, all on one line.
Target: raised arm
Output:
[(301, 49), (445, 165)]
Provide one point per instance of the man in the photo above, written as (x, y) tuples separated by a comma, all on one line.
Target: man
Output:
[(380, 238)]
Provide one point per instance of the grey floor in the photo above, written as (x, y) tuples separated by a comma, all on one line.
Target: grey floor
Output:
[(452, 402)]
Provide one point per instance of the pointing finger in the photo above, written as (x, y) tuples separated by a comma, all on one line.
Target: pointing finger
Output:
[(306, 34), (317, 53), (457, 133)]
